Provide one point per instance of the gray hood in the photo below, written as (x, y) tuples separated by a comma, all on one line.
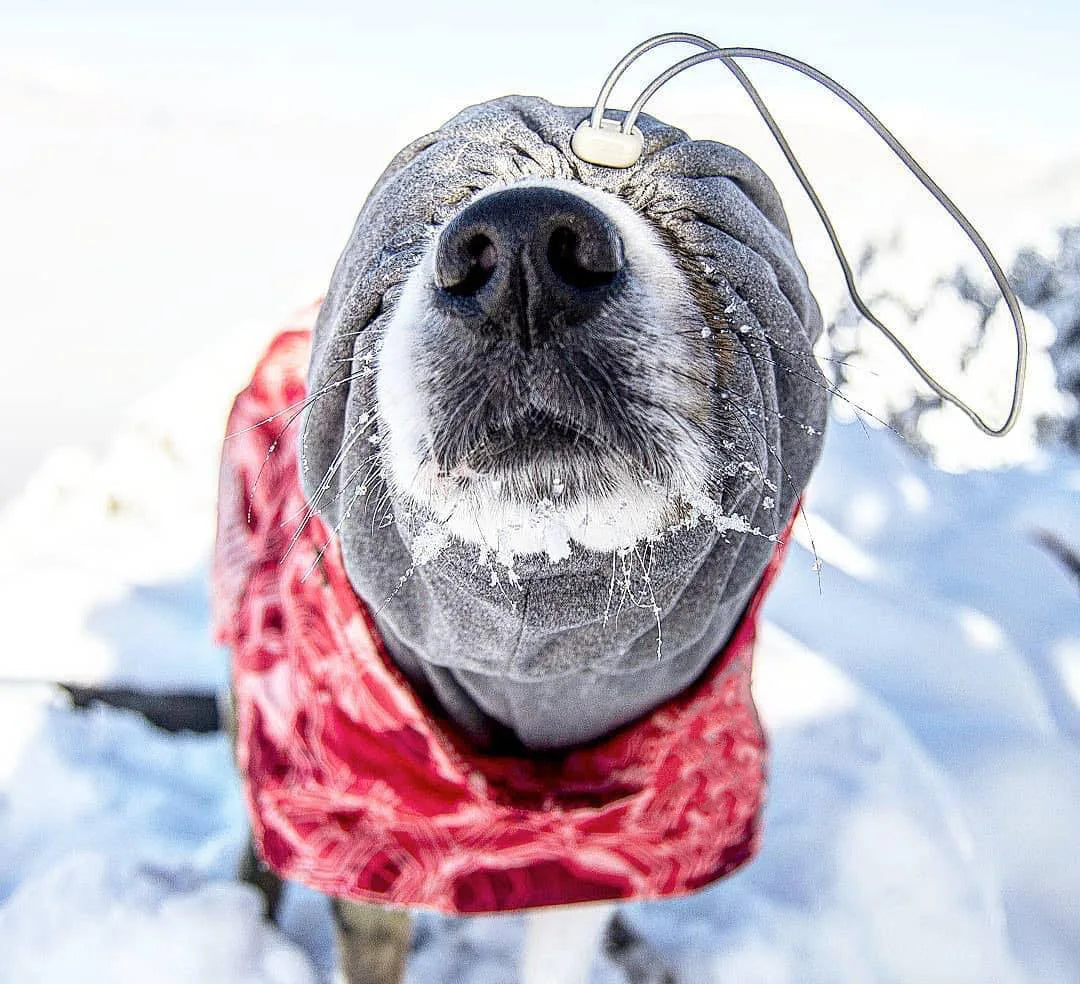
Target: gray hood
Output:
[(563, 652)]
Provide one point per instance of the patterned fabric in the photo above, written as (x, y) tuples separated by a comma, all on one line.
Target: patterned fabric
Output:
[(358, 789)]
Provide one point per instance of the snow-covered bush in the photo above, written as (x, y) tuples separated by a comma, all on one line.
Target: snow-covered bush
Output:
[(960, 328), (1051, 284)]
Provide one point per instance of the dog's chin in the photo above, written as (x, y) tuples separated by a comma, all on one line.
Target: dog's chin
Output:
[(529, 509), (536, 487)]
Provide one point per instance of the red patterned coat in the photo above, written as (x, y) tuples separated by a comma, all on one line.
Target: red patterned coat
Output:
[(358, 789)]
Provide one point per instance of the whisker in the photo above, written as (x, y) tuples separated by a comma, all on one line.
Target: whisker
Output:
[(830, 388), (302, 404), (646, 574), (810, 357), (791, 484), (611, 589), (345, 515), (273, 446), (313, 504), (403, 579), (291, 517)]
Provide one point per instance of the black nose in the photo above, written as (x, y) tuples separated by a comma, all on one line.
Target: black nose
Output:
[(530, 260)]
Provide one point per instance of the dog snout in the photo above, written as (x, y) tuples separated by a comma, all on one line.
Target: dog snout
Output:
[(529, 261)]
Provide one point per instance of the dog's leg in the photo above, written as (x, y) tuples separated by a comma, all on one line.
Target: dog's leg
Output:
[(632, 954), (254, 872), (561, 941), (251, 868), (373, 942)]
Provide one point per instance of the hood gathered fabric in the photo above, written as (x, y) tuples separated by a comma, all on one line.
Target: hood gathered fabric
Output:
[(360, 788), (538, 652)]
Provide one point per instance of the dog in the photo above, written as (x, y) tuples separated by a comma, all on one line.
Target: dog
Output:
[(557, 418)]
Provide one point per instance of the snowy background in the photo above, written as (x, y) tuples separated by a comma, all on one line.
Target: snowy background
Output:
[(172, 189)]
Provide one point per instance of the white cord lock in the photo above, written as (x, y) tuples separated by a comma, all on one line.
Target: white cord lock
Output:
[(606, 144)]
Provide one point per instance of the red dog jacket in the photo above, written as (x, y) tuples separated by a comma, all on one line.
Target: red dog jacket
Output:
[(358, 789)]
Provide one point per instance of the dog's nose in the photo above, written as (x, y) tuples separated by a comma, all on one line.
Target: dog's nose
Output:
[(530, 259)]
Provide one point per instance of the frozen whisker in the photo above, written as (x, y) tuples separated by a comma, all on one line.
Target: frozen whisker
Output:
[(794, 491), (627, 589), (831, 388), (611, 588), (367, 466), (299, 406), (346, 514), (403, 579), (811, 358), (654, 607), (316, 501), (484, 559)]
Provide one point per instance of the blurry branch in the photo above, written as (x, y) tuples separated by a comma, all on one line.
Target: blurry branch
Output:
[(1067, 555)]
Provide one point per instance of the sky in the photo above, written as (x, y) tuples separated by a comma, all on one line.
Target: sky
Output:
[(987, 61)]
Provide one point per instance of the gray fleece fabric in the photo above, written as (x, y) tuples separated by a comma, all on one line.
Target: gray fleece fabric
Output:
[(561, 656)]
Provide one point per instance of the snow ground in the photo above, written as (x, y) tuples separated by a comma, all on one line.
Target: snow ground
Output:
[(923, 708), (924, 794)]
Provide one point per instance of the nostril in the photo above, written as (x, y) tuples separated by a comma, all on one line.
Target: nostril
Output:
[(482, 259), (577, 266)]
